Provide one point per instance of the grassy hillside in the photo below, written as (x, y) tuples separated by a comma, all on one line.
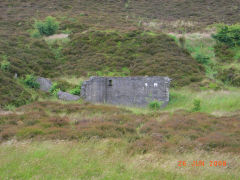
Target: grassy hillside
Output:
[(53, 139), (123, 12), (187, 15), (155, 131), (26, 55), (104, 142), (132, 53)]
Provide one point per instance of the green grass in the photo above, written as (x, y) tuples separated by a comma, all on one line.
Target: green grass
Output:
[(105, 159), (211, 101), (201, 45), (214, 102)]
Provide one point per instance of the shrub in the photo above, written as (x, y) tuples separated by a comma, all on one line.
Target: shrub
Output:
[(54, 89), (64, 85), (5, 65), (196, 105), (154, 105), (202, 59), (229, 35), (47, 27), (76, 90), (30, 81)]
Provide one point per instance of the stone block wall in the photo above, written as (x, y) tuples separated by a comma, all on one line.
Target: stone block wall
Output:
[(131, 91)]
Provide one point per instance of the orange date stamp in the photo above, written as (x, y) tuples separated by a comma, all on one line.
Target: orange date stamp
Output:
[(201, 163)]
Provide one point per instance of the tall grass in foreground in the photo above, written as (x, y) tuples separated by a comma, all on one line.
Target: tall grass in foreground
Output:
[(106, 159), (214, 102), (211, 101)]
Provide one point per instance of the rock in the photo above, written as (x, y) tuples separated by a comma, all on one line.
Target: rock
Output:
[(67, 96), (45, 84)]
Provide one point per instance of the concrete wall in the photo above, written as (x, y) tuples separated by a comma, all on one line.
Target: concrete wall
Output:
[(137, 91)]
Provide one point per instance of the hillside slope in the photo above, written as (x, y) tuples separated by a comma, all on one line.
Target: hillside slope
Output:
[(141, 53), (113, 43), (16, 14), (11, 92)]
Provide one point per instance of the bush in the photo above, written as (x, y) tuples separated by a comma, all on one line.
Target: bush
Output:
[(196, 105), (47, 27), (154, 105), (76, 90), (202, 59), (54, 89), (5, 65), (30, 81), (229, 35)]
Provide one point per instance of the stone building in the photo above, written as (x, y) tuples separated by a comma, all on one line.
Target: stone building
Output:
[(130, 91)]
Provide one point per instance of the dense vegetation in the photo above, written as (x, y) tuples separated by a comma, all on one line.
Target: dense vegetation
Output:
[(227, 51), (180, 131), (11, 92), (141, 53), (47, 27), (185, 40)]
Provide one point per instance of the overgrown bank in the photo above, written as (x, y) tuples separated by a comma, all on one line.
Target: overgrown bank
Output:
[(165, 132)]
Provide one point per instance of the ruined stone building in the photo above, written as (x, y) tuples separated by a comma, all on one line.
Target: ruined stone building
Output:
[(130, 91)]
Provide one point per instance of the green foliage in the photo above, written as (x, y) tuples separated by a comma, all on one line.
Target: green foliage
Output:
[(196, 105), (64, 85), (56, 46), (229, 35), (126, 5), (5, 65), (202, 59), (30, 81), (76, 90), (214, 86), (35, 34), (228, 43), (154, 105), (54, 89), (47, 27), (10, 107), (111, 72)]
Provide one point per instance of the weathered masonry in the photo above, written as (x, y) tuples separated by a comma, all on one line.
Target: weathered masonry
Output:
[(131, 91)]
